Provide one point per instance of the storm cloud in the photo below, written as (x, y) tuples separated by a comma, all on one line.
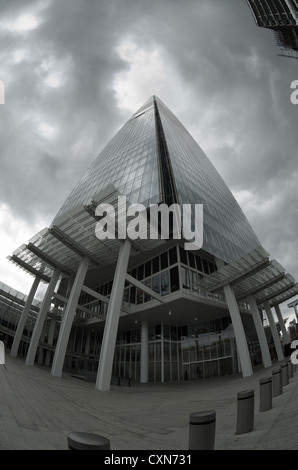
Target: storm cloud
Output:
[(75, 70)]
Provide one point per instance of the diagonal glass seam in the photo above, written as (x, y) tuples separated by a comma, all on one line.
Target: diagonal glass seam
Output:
[(167, 181)]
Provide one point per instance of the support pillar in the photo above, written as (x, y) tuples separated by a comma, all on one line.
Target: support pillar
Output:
[(260, 332), (274, 332), (44, 308), (104, 373), (50, 341), (240, 337), (144, 375), (282, 325), (242, 348), (68, 317), (23, 318)]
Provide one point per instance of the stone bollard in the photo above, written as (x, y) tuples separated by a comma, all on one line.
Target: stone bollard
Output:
[(277, 382), (284, 373), (87, 441), (290, 369), (202, 430), (245, 411), (266, 394)]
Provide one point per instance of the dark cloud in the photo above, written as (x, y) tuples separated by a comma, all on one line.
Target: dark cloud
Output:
[(234, 97)]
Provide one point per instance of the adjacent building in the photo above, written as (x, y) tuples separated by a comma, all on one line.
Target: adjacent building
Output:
[(147, 309), (281, 16)]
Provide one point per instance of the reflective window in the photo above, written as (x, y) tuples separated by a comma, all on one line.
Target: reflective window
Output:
[(227, 232)]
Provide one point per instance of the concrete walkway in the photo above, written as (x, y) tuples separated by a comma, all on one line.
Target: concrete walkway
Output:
[(37, 411)]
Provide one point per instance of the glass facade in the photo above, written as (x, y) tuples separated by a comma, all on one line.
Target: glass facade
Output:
[(172, 270), (227, 233), (154, 159), (189, 352), (128, 163)]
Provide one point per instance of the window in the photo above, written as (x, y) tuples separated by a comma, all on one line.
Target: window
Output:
[(164, 260), (140, 272), (133, 295), (156, 283), (174, 279), (147, 297), (199, 263), (185, 278), (183, 256), (148, 269), (165, 288), (206, 267), (173, 255), (155, 265)]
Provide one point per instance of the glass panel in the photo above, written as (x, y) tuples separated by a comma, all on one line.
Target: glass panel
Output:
[(156, 283), (228, 237), (183, 256), (155, 265), (140, 299), (185, 278), (133, 295), (148, 268), (165, 288), (173, 255), (147, 283), (164, 260), (174, 276)]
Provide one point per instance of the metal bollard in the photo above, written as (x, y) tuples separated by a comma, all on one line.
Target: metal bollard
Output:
[(284, 373), (87, 441), (202, 430), (245, 411), (266, 394), (277, 381), (290, 369)]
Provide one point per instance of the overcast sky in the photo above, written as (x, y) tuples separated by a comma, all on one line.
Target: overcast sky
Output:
[(76, 70)]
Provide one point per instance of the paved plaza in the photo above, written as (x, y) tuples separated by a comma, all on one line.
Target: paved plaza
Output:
[(37, 411)]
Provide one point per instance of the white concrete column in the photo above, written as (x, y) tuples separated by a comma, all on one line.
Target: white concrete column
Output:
[(240, 338), (50, 340), (162, 356), (282, 325), (144, 375), (44, 308), (23, 318), (274, 332), (68, 317), (260, 331), (241, 342), (104, 373)]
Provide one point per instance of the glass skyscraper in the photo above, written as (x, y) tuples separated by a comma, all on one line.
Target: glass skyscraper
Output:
[(153, 159), (148, 311)]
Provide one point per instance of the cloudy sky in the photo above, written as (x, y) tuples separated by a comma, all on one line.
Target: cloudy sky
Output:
[(75, 70)]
